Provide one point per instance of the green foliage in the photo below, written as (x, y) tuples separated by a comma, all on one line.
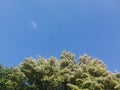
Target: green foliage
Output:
[(64, 74)]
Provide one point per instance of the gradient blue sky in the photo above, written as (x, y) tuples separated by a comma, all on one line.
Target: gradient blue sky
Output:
[(47, 27)]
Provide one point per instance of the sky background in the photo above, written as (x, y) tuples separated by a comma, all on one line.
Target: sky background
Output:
[(47, 27)]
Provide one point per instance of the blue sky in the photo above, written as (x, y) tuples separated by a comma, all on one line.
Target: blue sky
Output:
[(47, 27)]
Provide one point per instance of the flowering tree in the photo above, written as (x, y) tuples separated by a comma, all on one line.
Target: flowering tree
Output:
[(63, 74)]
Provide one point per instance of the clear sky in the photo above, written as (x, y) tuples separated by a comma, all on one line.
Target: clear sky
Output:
[(47, 27)]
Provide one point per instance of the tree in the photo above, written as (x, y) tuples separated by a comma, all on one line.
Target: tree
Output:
[(64, 74)]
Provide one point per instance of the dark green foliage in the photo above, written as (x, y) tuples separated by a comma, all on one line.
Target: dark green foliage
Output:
[(64, 74)]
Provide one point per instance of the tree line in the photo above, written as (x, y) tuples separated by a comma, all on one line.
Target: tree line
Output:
[(63, 74)]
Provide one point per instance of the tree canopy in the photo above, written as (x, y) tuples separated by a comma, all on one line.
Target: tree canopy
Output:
[(59, 74)]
